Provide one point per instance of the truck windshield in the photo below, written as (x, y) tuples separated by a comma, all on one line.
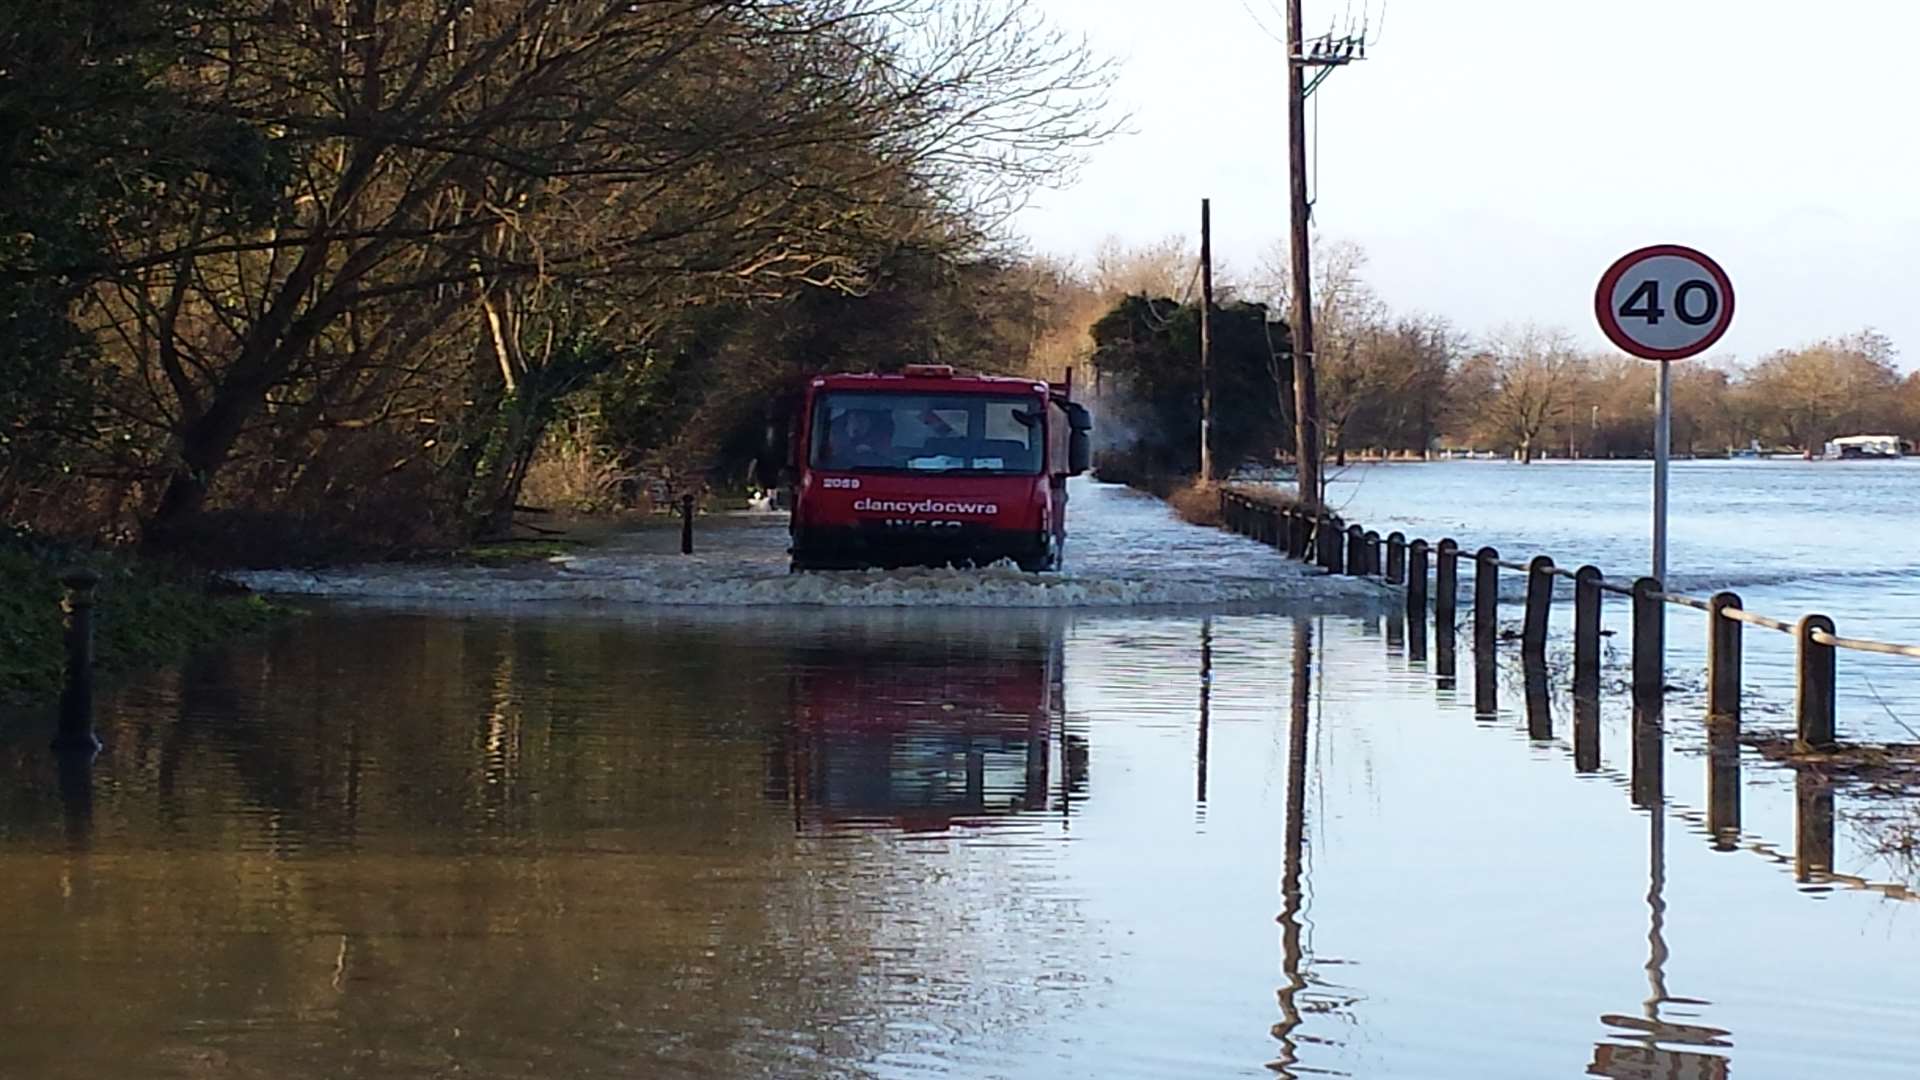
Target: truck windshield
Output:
[(972, 434)]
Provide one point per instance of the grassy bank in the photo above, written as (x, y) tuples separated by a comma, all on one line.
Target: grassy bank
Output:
[(147, 615)]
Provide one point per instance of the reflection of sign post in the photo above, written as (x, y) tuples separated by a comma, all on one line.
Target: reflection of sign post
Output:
[(1663, 303), (1641, 1063)]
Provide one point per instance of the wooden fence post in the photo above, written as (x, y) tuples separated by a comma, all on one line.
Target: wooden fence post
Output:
[(1446, 583), (1356, 551), (1586, 630), (1396, 557), (1533, 632), (1417, 581), (1723, 657), (686, 524), (1329, 543), (1373, 554), (1486, 599), (1814, 705), (1649, 639)]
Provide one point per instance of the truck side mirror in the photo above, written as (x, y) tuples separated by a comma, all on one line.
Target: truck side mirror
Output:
[(1079, 453), (1079, 441)]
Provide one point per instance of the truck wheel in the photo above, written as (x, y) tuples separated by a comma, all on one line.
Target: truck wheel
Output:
[(1054, 558)]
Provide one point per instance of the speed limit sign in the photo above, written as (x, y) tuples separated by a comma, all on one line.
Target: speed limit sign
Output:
[(1664, 302)]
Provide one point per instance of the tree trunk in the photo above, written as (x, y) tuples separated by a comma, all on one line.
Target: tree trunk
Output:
[(509, 442), (204, 446)]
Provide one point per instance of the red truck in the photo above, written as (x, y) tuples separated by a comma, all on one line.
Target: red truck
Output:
[(933, 468)]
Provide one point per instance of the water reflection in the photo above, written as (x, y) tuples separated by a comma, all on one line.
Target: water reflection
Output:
[(1539, 703), (76, 796), (1206, 711), (828, 843), (1723, 782), (1649, 777), (1486, 680), (400, 845), (1813, 826), (1639, 1055), (1294, 835), (1446, 661), (922, 733)]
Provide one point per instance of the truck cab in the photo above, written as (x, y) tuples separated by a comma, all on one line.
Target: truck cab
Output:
[(932, 468)]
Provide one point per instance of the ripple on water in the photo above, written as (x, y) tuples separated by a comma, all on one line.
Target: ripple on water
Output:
[(1127, 550)]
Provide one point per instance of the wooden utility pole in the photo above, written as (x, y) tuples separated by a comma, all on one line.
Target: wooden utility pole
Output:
[(1306, 399), (1206, 342)]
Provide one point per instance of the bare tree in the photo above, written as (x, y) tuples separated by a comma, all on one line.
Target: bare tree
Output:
[(1163, 269), (1833, 387), (1523, 375), (540, 184)]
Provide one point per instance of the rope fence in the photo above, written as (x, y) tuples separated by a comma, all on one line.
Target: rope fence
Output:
[(1429, 573)]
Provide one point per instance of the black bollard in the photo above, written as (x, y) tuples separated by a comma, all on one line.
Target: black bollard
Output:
[(76, 699), (686, 524), (1373, 553), (1356, 551), (1396, 558)]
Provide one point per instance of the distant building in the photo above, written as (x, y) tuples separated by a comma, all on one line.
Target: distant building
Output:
[(1867, 447)]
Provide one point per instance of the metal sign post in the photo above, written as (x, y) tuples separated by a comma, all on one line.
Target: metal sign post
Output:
[(1663, 303), (1662, 452)]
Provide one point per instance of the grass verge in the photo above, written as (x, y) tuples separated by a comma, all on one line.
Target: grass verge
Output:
[(146, 615)]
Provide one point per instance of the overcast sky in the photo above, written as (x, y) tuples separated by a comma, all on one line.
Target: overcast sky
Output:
[(1493, 156)]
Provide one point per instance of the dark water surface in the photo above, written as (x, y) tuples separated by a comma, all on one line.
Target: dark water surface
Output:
[(568, 841)]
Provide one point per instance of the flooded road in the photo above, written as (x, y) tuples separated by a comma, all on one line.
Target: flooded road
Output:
[(588, 839), (906, 843)]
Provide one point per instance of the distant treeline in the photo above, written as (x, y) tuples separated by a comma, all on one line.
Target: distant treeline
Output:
[(1395, 383)]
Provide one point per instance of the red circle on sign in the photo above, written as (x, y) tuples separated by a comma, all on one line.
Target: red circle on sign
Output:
[(1610, 322)]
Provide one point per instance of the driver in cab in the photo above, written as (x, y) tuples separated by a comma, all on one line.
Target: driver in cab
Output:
[(864, 440)]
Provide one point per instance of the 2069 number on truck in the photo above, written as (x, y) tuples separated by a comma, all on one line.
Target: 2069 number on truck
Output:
[(932, 468)]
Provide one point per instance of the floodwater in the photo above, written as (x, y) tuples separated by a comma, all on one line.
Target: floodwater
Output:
[(418, 837), (1790, 536)]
